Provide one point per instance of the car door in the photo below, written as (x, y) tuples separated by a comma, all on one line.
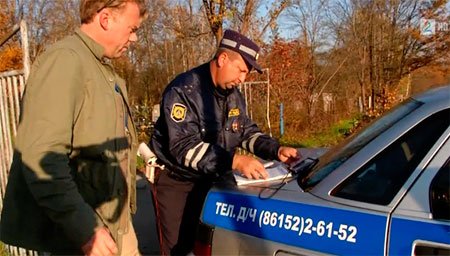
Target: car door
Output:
[(420, 223)]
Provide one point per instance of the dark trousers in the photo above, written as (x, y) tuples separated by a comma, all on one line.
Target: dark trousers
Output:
[(179, 204)]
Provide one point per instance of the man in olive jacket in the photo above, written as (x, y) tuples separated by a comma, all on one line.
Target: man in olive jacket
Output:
[(71, 187)]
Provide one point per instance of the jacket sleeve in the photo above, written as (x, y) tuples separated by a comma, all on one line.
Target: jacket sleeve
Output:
[(185, 137), (53, 97), (256, 142)]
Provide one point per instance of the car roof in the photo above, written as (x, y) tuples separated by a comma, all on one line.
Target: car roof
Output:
[(438, 96)]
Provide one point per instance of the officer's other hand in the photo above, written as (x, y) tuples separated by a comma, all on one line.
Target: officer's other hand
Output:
[(249, 166), (287, 154), (101, 244)]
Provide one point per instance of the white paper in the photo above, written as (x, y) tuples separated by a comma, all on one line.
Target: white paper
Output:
[(274, 171)]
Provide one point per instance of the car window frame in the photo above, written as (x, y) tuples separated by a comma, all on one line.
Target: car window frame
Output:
[(397, 144), (445, 167), (414, 196), (323, 189), (415, 204), (355, 143)]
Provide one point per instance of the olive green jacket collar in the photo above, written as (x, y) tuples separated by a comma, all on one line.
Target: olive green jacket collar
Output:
[(97, 49)]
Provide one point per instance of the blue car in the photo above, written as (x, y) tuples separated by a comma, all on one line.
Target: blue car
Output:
[(382, 191)]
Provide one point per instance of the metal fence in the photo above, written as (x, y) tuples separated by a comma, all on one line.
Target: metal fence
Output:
[(257, 99)]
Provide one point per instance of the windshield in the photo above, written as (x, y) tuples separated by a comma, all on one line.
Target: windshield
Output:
[(347, 148)]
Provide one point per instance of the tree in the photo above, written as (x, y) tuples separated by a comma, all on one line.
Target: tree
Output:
[(310, 17), (48, 21), (215, 18), (241, 14), (383, 40), (10, 52), (289, 82)]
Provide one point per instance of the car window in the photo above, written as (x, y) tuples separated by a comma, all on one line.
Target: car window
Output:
[(440, 193), (381, 178), (339, 154)]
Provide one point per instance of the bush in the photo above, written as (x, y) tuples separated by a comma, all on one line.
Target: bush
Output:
[(328, 136)]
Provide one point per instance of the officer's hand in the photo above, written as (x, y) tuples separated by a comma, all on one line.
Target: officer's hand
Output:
[(287, 154), (249, 166), (101, 244)]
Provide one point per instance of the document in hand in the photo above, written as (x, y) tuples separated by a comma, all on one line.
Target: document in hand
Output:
[(275, 170)]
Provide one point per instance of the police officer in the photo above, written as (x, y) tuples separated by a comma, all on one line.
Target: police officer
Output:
[(202, 122)]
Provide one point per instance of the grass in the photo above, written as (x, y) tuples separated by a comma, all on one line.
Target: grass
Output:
[(3, 251), (328, 137), (139, 162)]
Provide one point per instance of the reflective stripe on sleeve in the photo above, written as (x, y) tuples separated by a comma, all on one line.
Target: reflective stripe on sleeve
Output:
[(190, 153), (199, 156), (250, 142), (195, 154)]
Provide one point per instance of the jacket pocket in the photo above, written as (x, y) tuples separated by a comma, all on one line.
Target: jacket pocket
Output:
[(96, 180)]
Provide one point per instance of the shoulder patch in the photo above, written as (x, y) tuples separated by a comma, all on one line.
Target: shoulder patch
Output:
[(233, 112), (178, 112)]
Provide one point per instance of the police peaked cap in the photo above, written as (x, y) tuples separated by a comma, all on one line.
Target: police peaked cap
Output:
[(244, 46)]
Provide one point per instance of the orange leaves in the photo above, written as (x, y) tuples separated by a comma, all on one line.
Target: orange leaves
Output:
[(384, 101), (287, 61), (290, 82), (10, 52), (10, 58)]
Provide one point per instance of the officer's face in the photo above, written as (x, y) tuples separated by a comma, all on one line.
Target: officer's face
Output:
[(233, 71), (123, 26)]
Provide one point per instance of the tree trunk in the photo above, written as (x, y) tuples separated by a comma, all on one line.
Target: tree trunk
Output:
[(215, 20), (249, 9)]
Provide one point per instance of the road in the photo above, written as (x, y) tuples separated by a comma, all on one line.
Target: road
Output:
[(144, 221)]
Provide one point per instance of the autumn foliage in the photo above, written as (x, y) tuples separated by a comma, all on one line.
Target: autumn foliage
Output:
[(11, 58), (338, 59), (10, 52), (290, 85)]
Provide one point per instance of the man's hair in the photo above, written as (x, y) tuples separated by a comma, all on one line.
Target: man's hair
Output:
[(89, 8), (232, 54)]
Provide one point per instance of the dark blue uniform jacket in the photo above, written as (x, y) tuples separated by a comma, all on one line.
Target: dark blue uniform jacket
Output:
[(200, 127)]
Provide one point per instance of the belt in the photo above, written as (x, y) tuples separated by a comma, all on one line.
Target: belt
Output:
[(176, 176)]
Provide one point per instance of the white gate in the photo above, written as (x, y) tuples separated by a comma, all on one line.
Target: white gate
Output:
[(262, 85), (12, 85)]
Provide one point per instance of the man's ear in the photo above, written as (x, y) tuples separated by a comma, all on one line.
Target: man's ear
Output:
[(222, 59), (104, 18)]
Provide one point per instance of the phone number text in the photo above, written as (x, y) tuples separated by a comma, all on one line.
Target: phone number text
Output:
[(300, 225)]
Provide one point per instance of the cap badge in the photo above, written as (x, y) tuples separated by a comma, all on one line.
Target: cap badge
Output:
[(235, 125)]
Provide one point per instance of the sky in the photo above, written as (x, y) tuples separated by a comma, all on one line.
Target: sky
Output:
[(287, 28)]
